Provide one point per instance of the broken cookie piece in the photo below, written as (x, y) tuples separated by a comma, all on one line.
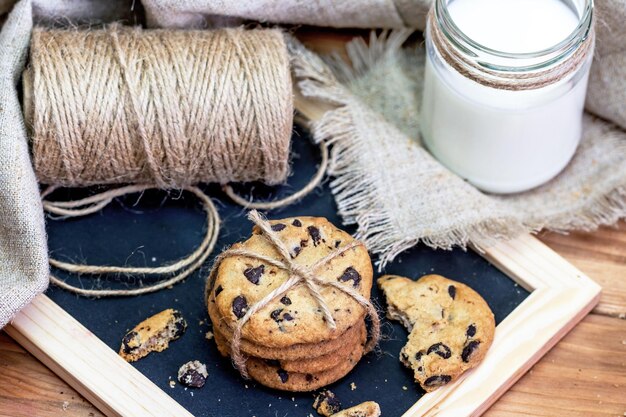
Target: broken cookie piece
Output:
[(193, 374), (152, 335), (366, 409), (326, 404), (451, 326)]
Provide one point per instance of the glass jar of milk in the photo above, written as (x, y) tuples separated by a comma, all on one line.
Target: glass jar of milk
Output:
[(504, 88)]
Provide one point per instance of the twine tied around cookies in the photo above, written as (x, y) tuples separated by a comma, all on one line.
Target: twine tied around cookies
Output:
[(298, 275)]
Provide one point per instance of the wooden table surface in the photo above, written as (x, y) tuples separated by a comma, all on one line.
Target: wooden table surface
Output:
[(583, 375)]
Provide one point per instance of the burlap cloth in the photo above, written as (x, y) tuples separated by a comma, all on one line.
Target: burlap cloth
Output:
[(396, 193)]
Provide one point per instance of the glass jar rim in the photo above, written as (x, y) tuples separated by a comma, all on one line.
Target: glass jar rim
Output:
[(513, 61)]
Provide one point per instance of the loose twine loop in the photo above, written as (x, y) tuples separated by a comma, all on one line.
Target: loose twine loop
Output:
[(292, 198), (298, 275), (181, 269), (502, 80)]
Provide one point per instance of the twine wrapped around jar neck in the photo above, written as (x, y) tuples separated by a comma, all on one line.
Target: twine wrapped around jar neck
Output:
[(470, 68)]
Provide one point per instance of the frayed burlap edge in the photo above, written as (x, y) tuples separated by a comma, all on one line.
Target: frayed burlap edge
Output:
[(357, 197)]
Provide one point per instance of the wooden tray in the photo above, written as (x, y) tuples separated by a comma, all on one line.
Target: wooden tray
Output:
[(560, 296)]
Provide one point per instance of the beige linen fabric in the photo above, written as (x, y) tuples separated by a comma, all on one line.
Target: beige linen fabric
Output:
[(606, 95), (23, 247), (23, 250), (332, 13)]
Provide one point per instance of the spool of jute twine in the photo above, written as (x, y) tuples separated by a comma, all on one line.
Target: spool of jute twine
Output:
[(161, 107), (158, 109)]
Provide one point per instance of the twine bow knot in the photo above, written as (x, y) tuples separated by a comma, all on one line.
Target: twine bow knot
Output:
[(298, 274)]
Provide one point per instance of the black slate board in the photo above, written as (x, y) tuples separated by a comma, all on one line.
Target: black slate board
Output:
[(156, 229)]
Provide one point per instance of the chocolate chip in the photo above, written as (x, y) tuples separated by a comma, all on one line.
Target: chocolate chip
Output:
[(452, 291), (296, 251), (420, 369), (273, 362), (333, 404), (297, 223), (405, 357), (471, 330), (437, 380), (276, 314), (350, 274), (193, 379), (469, 350), (240, 306), (418, 355), (179, 323), (218, 290), (286, 300), (287, 317), (440, 349), (337, 243), (314, 232), (309, 377), (283, 375), (278, 227), (254, 274), (127, 339)]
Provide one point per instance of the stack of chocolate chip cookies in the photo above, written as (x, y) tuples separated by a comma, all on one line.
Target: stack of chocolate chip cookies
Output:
[(288, 343)]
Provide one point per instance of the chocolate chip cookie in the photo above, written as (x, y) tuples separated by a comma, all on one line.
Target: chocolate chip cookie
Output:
[(152, 335), (308, 364), (451, 326), (273, 376), (296, 316), (294, 352)]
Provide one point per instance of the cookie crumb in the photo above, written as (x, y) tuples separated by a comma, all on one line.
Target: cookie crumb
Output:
[(404, 388), (366, 409), (193, 374), (172, 384), (352, 386), (209, 335), (326, 403)]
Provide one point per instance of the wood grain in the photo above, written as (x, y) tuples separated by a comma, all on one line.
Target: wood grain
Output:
[(584, 375), (29, 389), (602, 256)]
